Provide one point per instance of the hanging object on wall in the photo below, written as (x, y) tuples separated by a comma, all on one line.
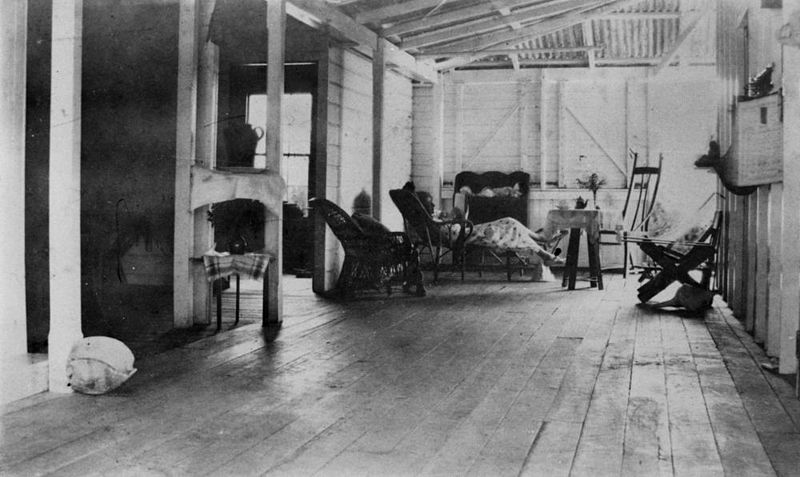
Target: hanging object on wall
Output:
[(789, 34), (713, 160)]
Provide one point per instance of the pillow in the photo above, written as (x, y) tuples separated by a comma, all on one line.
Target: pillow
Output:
[(99, 364), (370, 226), (486, 192), (465, 190)]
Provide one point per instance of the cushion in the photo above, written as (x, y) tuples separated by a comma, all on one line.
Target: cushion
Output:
[(99, 364), (370, 226)]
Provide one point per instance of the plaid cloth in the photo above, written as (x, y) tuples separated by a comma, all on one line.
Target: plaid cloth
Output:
[(586, 219), (221, 265)]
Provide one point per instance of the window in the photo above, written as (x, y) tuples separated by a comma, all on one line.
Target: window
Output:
[(296, 141)]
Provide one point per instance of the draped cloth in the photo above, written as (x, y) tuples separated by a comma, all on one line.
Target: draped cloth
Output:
[(220, 265), (506, 234)]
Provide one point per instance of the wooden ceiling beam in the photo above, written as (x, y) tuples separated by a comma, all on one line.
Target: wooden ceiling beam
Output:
[(511, 51), (477, 27), (452, 16), (395, 10), (319, 15)]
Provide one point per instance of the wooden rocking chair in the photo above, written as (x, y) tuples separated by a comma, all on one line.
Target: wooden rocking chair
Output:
[(676, 265), (637, 211), (373, 259)]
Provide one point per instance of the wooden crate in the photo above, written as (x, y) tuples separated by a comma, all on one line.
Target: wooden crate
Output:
[(758, 149)]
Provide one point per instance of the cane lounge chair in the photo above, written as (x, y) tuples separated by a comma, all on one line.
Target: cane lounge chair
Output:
[(374, 257), (436, 237)]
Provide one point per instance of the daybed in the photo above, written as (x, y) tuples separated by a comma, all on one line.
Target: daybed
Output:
[(490, 196)]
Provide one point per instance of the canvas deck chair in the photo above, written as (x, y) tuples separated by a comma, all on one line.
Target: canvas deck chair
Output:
[(677, 259)]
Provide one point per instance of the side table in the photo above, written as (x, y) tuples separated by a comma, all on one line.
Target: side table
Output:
[(579, 221), (222, 265)]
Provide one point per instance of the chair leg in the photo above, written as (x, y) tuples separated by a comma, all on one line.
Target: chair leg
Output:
[(624, 259), (436, 258)]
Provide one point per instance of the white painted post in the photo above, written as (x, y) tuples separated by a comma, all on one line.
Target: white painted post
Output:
[(183, 288), (524, 124), (378, 89), (206, 155), (437, 144), (790, 260), (459, 127), (561, 160), (13, 339), (545, 102), (65, 188), (273, 236)]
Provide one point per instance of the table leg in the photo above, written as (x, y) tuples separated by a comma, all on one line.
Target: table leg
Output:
[(595, 269), (571, 267), (237, 300), (265, 300), (218, 289)]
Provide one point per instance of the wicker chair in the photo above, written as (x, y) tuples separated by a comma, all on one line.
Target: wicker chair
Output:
[(372, 259)]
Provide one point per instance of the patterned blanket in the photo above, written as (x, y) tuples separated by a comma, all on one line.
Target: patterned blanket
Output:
[(221, 265)]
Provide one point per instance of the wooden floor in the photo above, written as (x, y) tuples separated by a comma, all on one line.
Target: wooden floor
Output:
[(479, 378)]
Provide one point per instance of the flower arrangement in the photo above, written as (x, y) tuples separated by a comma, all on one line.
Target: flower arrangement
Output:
[(593, 182)]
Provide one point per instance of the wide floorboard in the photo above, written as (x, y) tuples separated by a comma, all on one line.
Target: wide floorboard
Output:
[(481, 377)]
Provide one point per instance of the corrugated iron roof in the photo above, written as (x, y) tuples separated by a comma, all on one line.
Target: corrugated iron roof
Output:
[(458, 33)]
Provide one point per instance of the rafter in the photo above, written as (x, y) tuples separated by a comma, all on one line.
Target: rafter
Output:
[(473, 28), (396, 10), (509, 39), (676, 47), (451, 16), (512, 51), (319, 15)]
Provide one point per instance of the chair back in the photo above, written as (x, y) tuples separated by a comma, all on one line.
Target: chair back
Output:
[(642, 192), (419, 223), (343, 226)]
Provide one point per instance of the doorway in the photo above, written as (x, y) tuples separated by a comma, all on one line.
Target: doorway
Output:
[(247, 104)]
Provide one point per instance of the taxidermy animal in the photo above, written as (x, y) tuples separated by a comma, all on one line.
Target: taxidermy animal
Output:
[(689, 297), (716, 161)]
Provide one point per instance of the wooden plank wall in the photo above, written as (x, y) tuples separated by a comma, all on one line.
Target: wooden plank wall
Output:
[(755, 276), (397, 144)]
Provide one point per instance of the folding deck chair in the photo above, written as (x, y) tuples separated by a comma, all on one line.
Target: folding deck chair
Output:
[(676, 264)]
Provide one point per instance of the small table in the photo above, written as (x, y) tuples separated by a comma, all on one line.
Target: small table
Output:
[(221, 265), (577, 221)]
